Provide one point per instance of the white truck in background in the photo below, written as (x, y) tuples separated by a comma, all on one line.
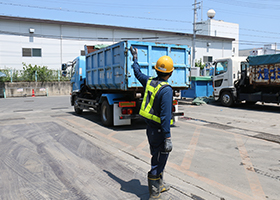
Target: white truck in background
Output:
[(250, 79)]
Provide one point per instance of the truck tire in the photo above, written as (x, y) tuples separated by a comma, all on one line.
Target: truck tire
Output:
[(106, 113), (227, 99), (78, 110)]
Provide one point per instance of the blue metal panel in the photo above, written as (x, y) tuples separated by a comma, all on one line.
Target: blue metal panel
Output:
[(111, 67), (89, 74), (149, 53), (199, 88), (106, 67), (112, 97)]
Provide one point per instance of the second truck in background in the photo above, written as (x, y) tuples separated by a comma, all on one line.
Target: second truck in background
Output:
[(104, 81), (251, 79)]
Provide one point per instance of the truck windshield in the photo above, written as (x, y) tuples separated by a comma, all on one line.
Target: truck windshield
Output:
[(221, 67)]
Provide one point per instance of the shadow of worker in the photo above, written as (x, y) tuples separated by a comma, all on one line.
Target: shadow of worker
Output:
[(133, 186)]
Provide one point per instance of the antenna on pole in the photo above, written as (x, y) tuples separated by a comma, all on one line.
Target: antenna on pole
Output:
[(194, 31)]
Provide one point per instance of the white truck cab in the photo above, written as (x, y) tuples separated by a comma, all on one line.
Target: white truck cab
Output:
[(226, 72)]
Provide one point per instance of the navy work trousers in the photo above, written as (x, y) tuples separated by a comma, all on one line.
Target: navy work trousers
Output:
[(159, 157)]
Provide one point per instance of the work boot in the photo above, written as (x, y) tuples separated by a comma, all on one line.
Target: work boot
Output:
[(163, 187), (154, 190)]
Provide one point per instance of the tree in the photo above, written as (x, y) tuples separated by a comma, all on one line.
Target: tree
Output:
[(31, 73), (199, 64)]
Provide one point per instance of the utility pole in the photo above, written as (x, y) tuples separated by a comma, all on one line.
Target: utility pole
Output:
[(194, 32), (201, 5)]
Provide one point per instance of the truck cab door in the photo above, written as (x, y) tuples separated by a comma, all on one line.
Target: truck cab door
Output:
[(244, 78), (78, 73), (74, 77), (221, 77)]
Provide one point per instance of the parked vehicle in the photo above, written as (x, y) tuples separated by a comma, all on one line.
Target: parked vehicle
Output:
[(251, 79), (104, 80)]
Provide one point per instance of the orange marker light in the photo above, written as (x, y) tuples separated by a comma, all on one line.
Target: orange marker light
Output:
[(129, 111)]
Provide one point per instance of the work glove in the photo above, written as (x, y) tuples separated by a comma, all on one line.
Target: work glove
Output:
[(134, 52), (167, 145)]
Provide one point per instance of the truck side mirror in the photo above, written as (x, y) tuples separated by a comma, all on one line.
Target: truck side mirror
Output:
[(64, 66)]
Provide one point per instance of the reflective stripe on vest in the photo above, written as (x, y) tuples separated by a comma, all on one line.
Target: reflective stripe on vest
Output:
[(146, 107)]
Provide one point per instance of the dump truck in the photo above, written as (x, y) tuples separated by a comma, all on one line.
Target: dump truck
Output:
[(247, 79), (103, 80)]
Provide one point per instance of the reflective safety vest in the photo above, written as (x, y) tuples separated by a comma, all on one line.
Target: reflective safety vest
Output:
[(147, 109)]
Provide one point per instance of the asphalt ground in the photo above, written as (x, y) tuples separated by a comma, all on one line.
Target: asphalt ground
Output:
[(259, 120), (49, 152)]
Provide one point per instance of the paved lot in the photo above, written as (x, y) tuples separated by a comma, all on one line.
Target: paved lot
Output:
[(48, 152)]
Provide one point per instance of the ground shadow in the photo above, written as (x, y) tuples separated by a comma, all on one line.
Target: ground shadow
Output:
[(136, 124), (133, 186)]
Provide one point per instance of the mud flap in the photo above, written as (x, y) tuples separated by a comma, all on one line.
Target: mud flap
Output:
[(117, 112)]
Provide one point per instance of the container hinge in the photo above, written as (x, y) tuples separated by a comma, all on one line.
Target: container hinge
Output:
[(126, 51)]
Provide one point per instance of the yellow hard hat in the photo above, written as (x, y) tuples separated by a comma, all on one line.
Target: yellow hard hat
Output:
[(164, 64)]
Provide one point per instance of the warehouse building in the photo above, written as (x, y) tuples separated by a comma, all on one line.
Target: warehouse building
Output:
[(51, 43)]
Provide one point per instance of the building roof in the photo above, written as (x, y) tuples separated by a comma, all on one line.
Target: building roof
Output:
[(24, 19)]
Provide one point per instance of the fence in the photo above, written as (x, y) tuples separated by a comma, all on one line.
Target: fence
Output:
[(13, 75)]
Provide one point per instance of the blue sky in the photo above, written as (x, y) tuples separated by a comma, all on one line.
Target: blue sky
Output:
[(258, 20)]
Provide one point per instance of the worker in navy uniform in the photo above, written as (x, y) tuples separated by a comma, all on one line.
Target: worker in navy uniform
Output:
[(156, 108)]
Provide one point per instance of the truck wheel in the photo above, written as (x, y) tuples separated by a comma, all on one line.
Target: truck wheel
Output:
[(226, 99), (76, 108), (106, 113)]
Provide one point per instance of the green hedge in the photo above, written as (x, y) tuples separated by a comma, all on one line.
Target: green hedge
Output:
[(32, 74)]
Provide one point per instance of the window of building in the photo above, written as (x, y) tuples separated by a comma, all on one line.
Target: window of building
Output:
[(207, 59), (31, 52), (26, 52), (36, 53)]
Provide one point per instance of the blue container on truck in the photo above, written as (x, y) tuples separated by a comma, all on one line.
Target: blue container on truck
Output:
[(111, 67), (104, 80)]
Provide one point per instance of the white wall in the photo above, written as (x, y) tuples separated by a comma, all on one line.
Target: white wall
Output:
[(219, 28), (216, 49), (61, 43)]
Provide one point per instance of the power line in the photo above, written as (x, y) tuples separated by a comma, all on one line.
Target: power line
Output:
[(125, 16), (250, 4), (90, 12), (255, 14), (162, 39), (119, 5), (246, 29), (146, 18), (98, 38)]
